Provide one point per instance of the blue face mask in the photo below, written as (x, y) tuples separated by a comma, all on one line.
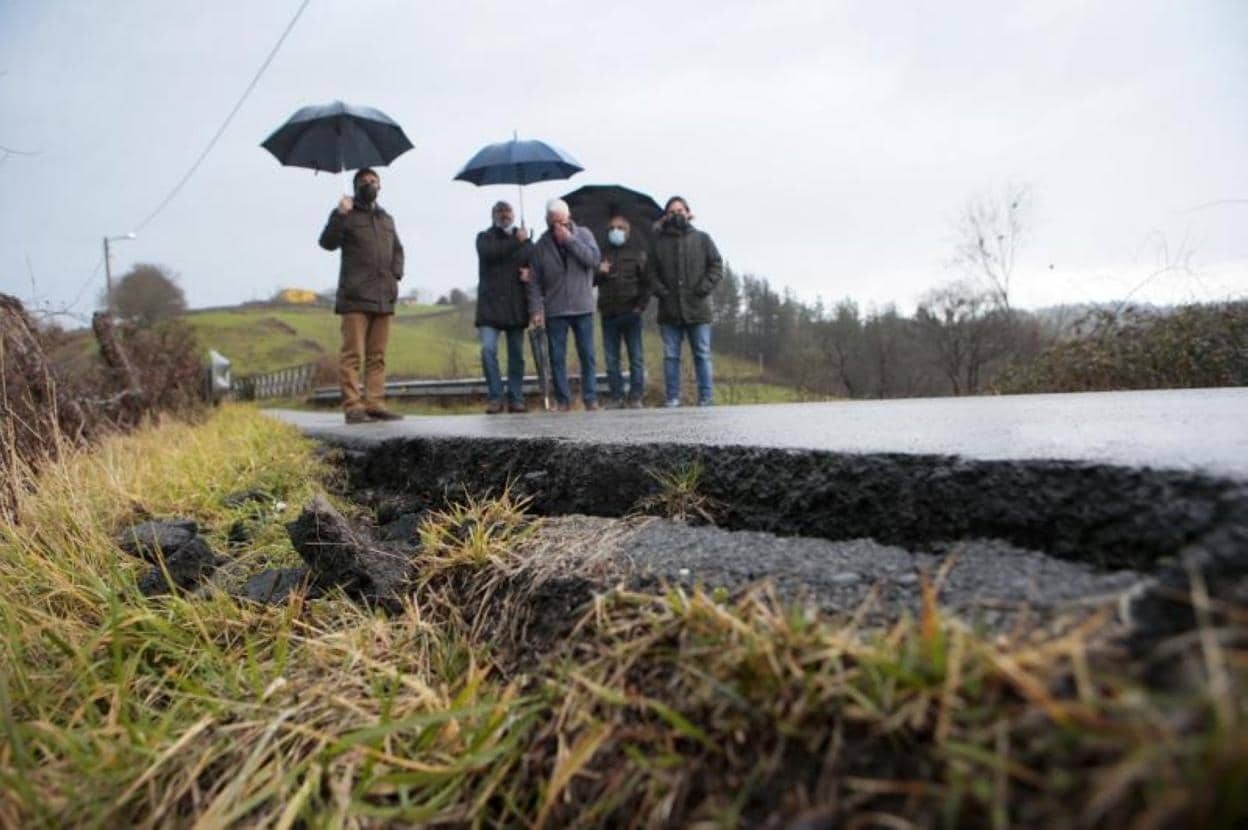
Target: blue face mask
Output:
[(617, 236)]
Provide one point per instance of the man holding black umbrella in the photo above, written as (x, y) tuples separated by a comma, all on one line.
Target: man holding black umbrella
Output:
[(561, 297), (623, 294), (368, 286), (502, 251)]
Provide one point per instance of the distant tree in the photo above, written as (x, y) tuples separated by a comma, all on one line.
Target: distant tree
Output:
[(990, 232), (147, 294), (459, 297), (840, 340), (443, 300), (726, 301)]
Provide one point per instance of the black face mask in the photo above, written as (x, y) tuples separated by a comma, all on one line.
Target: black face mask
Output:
[(367, 193), (678, 221)]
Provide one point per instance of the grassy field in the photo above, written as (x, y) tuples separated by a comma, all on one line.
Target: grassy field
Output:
[(656, 710), (428, 342)]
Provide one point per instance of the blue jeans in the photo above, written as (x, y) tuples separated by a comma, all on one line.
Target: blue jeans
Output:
[(582, 326), (515, 363), (626, 327), (699, 335)]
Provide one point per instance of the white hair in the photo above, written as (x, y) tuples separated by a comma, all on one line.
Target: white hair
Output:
[(557, 207)]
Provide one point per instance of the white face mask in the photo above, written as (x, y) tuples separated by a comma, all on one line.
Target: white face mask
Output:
[(617, 236), (505, 225)]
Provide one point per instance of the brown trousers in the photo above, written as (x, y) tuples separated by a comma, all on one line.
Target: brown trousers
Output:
[(364, 338)]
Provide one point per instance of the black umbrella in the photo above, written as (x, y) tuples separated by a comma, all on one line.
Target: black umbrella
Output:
[(336, 137), (518, 162), (594, 204)]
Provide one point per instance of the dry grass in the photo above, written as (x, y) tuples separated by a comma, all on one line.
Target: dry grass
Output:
[(673, 710)]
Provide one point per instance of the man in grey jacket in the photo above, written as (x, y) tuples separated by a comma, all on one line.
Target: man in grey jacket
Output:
[(561, 297)]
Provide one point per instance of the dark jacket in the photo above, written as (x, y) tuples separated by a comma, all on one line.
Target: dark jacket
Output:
[(626, 287), (684, 267), (563, 276), (372, 259), (501, 301)]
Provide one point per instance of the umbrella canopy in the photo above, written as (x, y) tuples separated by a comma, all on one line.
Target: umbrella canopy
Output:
[(593, 204), (518, 162), (336, 137)]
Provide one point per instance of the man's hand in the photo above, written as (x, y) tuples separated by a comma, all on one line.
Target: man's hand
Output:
[(537, 320), (604, 267), (522, 235), (345, 204), (562, 233), (525, 275)]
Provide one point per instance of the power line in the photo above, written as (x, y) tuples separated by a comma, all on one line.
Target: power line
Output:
[(83, 288), (213, 141)]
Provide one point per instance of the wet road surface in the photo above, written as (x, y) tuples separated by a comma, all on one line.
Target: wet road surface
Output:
[(1202, 430)]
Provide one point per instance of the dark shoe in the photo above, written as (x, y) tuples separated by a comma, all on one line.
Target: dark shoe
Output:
[(592, 406), (493, 407), (562, 407), (614, 403), (357, 416), (636, 403), (383, 415), (512, 406)]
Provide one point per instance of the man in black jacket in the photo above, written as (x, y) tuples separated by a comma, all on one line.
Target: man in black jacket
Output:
[(684, 268), (502, 308), (368, 285), (623, 293)]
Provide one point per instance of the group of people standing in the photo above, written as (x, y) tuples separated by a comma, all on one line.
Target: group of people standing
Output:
[(548, 283)]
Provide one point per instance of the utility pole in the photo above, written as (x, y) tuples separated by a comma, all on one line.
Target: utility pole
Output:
[(108, 278), (108, 267)]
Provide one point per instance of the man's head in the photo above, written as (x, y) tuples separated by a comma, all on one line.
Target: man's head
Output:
[(618, 229), (557, 213), (502, 215), (367, 185), (676, 213)]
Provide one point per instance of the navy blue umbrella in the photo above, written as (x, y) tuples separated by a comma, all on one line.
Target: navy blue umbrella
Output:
[(336, 137), (519, 163)]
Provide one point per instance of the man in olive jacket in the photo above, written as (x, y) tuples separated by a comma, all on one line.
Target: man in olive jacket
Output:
[(684, 267), (623, 294), (502, 307), (368, 285)]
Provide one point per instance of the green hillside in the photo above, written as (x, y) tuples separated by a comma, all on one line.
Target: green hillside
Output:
[(425, 342)]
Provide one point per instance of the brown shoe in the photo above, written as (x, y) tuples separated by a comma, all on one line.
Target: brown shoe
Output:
[(516, 407), (592, 406), (356, 416), (383, 415), (562, 407), (636, 403), (493, 407)]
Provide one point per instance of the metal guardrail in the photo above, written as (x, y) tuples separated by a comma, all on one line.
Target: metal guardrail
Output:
[(284, 383), (451, 388)]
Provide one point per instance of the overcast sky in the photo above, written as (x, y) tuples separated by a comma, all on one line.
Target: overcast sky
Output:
[(826, 146)]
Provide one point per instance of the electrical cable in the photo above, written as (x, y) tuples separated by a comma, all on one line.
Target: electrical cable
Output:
[(225, 124)]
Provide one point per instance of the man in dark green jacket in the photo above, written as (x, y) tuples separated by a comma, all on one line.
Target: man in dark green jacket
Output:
[(368, 285), (623, 294), (684, 267)]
